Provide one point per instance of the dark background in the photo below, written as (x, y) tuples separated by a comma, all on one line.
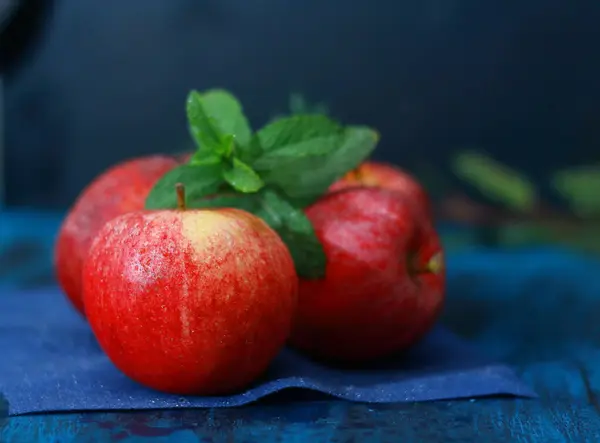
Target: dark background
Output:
[(108, 80)]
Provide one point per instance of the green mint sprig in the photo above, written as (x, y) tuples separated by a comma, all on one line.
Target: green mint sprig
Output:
[(273, 173)]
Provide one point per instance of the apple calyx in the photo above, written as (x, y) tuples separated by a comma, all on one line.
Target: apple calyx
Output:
[(435, 265), (180, 191)]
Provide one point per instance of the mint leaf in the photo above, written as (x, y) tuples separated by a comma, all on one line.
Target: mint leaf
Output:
[(296, 143), (199, 180), (204, 128), (296, 231), (306, 179), (227, 113), (299, 105), (292, 130), (301, 154), (292, 225), (358, 145), (496, 181), (199, 159), (242, 177), (217, 122), (228, 142)]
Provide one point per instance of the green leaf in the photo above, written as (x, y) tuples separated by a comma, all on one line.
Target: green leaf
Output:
[(201, 159), (296, 145), (289, 222), (228, 114), (204, 128), (302, 154), (297, 232), (228, 146), (359, 143), (299, 105), (293, 130), (199, 180), (242, 177), (308, 178), (217, 122), (496, 181), (579, 186)]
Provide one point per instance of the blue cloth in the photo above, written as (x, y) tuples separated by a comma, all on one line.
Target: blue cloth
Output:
[(50, 361)]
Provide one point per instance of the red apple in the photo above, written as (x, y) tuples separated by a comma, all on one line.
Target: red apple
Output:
[(383, 175), (120, 189), (190, 301), (384, 283)]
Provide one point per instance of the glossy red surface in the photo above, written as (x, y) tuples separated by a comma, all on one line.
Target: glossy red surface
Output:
[(374, 299), (122, 188), (190, 302), (383, 175)]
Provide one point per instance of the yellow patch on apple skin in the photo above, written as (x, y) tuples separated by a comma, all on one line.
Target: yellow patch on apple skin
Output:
[(204, 230), (212, 235), (369, 180), (228, 237), (204, 227)]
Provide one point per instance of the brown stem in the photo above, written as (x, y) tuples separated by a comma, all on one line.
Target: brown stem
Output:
[(357, 174), (353, 175), (180, 190)]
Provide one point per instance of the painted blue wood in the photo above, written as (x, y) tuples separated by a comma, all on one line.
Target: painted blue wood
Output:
[(537, 309), (489, 421)]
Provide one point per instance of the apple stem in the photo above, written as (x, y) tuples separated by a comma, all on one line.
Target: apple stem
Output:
[(180, 190), (354, 174)]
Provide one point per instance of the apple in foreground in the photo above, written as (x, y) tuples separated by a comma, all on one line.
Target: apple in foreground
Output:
[(120, 189), (383, 175), (190, 301), (384, 282)]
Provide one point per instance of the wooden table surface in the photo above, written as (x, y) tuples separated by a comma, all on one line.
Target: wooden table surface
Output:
[(539, 314)]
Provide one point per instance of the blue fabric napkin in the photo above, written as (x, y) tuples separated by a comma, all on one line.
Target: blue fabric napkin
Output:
[(50, 361)]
